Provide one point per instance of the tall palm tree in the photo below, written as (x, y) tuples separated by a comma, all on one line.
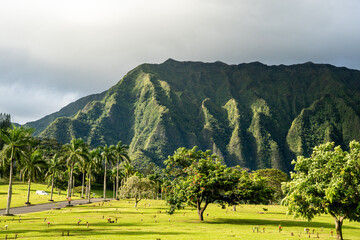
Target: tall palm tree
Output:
[(94, 164), (82, 167), (121, 152), (113, 178), (32, 168), (54, 168), (108, 158), (17, 142), (75, 152)]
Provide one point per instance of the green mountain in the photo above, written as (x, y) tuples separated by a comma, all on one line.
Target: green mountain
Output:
[(252, 115)]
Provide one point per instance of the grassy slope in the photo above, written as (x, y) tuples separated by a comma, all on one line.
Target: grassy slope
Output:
[(219, 224)]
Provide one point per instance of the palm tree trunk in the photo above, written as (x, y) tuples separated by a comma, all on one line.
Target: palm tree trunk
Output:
[(69, 185), (28, 193), (104, 195), (52, 187), (82, 186), (117, 181), (89, 186), (114, 188), (73, 185), (7, 211)]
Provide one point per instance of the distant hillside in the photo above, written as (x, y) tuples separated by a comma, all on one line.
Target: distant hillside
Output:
[(252, 115), (68, 111)]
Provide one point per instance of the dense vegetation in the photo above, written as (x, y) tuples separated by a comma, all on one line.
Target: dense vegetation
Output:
[(251, 115)]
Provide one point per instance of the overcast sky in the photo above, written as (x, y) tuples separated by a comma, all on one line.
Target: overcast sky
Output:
[(54, 52)]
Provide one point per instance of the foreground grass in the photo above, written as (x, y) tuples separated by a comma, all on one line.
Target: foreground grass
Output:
[(152, 222), (19, 195)]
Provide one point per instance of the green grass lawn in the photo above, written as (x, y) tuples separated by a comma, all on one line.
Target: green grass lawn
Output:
[(152, 222), (19, 195)]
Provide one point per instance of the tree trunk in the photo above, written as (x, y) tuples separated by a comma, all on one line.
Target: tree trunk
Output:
[(338, 227), (28, 193), (136, 201), (89, 186), (104, 194), (234, 208), (114, 188), (69, 184), (82, 186), (73, 185), (117, 181), (157, 191), (7, 211), (201, 210), (52, 187)]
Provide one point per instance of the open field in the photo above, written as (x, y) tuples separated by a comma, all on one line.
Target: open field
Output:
[(152, 222)]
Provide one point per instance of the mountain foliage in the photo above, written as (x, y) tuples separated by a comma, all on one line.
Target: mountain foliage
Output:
[(252, 115)]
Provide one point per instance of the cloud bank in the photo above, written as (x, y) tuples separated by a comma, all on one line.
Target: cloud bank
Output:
[(53, 52)]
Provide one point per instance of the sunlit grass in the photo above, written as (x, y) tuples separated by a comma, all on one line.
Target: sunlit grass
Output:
[(152, 222), (19, 195)]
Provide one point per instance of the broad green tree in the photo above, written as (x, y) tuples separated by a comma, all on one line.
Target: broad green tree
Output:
[(32, 168), (327, 182), (75, 152), (252, 189), (121, 153), (274, 179), (108, 156), (17, 141), (138, 188), (197, 179)]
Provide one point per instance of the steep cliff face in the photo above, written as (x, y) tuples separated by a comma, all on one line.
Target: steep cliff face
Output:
[(252, 115)]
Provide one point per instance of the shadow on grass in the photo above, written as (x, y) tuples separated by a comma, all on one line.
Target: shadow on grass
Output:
[(275, 223)]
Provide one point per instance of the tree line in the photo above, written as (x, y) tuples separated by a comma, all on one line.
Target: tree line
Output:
[(34, 159)]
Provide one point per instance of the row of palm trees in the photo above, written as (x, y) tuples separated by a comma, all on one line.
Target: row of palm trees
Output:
[(22, 151)]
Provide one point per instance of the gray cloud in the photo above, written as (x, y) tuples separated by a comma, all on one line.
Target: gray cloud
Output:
[(62, 50)]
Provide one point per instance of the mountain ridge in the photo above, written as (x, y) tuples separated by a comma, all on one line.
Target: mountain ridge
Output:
[(251, 114)]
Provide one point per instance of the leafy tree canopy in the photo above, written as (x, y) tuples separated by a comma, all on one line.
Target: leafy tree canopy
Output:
[(327, 182), (274, 179), (198, 178), (138, 188)]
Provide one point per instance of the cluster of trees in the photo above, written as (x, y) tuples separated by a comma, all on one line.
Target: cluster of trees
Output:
[(34, 159)]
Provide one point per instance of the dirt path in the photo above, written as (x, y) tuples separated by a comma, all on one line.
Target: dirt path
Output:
[(49, 206)]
